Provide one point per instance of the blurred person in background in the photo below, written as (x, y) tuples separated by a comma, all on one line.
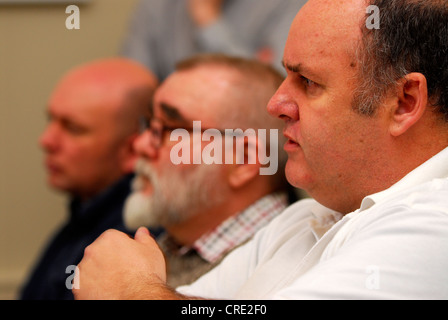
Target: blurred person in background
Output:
[(163, 32), (93, 121)]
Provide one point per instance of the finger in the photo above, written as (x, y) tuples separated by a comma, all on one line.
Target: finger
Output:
[(143, 236)]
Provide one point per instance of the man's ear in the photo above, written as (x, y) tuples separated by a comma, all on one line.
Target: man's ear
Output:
[(241, 174), (412, 94), (128, 155)]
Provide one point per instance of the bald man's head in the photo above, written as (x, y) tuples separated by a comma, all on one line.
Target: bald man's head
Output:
[(118, 85), (94, 113)]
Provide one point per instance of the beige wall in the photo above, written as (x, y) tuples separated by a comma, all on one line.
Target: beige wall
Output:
[(35, 50)]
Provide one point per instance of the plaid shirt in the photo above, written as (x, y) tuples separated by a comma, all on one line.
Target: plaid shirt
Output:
[(239, 228), (186, 264)]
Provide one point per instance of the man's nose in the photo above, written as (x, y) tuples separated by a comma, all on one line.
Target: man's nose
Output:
[(48, 140), (144, 146), (282, 105)]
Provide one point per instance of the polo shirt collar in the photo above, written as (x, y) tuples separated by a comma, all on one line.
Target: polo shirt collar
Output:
[(434, 168)]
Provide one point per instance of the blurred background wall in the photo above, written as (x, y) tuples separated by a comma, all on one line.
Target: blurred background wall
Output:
[(35, 50)]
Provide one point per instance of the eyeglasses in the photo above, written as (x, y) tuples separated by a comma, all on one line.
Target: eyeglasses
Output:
[(159, 131)]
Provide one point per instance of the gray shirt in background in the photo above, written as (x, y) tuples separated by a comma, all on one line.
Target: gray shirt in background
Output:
[(162, 33)]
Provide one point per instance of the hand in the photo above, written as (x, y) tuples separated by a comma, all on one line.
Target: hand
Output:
[(205, 12), (118, 267)]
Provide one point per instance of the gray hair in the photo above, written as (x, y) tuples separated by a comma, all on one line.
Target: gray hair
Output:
[(259, 81), (413, 37)]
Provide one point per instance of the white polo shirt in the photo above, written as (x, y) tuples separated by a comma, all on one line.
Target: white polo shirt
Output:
[(394, 247)]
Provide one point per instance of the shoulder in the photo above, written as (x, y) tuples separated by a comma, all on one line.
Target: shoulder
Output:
[(413, 219), (417, 207), (399, 243)]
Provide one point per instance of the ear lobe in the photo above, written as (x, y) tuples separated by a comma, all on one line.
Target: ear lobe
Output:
[(411, 105), (241, 174)]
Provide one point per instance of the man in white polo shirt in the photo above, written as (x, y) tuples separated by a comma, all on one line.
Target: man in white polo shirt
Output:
[(365, 107)]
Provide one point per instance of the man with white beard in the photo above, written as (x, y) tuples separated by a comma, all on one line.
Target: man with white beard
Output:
[(207, 209)]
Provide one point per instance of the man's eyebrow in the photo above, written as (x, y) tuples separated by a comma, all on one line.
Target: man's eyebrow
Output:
[(171, 112), (298, 68), (292, 68)]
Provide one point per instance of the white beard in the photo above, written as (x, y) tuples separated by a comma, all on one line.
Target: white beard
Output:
[(136, 212), (175, 197)]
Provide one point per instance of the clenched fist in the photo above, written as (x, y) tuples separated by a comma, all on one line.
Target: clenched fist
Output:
[(118, 267)]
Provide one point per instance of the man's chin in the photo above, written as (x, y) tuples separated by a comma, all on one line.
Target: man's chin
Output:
[(136, 212), (296, 175), (61, 187)]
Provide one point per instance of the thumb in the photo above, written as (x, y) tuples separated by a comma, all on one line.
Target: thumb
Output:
[(143, 236)]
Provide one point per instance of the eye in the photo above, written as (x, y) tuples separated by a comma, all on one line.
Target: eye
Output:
[(143, 124), (307, 82), (311, 87), (73, 128)]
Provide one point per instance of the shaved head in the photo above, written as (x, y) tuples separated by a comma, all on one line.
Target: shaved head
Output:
[(119, 86), (93, 113)]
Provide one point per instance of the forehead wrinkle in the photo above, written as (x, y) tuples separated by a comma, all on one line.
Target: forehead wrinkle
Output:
[(331, 30)]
